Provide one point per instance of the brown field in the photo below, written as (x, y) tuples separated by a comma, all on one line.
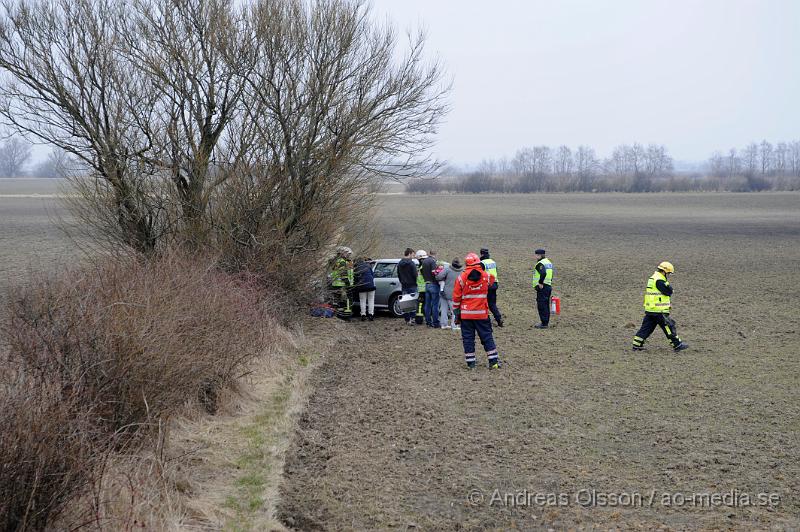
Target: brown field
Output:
[(398, 434), (30, 235)]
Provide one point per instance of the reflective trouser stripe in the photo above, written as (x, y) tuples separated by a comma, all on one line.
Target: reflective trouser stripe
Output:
[(469, 357), (638, 341)]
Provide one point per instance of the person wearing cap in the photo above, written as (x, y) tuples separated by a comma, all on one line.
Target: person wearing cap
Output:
[(470, 306), (491, 266), (657, 306), (543, 283)]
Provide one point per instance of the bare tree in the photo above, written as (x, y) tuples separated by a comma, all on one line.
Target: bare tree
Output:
[(69, 85), (734, 163), (780, 157), (210, 123), (586, 165), (717, 164), (14, 155), (58, 163), (750, 158), (794, 158), (765, 157), (563, 161)]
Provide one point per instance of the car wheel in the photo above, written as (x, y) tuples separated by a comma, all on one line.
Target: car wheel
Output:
[(394, 306)]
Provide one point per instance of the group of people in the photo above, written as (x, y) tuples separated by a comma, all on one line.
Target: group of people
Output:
[(349, 279), (462, 296)]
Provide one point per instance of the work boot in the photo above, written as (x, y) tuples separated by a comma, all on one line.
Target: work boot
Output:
[(639, 348), (494, 364), (499, 323), (471, 365), (363, 317), (371, 317), (681, 346), (540, 326)]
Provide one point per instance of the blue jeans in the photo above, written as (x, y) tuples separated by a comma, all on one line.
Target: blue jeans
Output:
[(483, 328), (432, 304), (408, 316)]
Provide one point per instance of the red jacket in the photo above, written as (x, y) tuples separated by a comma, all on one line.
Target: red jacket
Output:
[(470, 292)]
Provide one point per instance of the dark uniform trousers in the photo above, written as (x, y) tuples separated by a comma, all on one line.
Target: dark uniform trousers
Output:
[(491, 299), (543, 303), (650, 322)]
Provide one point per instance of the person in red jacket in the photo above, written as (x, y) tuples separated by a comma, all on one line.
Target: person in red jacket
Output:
[(471, 307)]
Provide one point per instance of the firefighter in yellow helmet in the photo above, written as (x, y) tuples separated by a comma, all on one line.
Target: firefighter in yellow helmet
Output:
[(657, 306)]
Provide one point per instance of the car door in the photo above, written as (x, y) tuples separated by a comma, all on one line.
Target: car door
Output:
[(386, 282)]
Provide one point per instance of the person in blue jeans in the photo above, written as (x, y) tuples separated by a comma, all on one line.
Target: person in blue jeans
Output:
[(431, 309), (407, 273)]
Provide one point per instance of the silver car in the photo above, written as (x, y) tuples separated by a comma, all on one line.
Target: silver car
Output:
[(387, 286)]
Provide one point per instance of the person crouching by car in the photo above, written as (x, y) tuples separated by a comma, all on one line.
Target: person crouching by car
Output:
[(364, 286)]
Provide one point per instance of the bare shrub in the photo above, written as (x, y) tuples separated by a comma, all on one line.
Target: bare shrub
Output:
[(47, 453), (135, 340)]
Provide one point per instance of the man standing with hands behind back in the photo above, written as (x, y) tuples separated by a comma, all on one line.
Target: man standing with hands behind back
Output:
[(543, 283)]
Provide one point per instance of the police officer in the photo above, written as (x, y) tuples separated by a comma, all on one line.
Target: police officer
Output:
[(490, 267), (657, 306), (470, 293), (543, 283)]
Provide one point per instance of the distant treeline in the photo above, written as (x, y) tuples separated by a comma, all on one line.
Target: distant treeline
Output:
[(630, 168)]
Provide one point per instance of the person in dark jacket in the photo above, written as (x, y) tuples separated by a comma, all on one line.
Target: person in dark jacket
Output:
[(407, 273), (431, 308), (543, 284), (364, 286)]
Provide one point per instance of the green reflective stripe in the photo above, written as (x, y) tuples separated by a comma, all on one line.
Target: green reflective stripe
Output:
[(341, 273)]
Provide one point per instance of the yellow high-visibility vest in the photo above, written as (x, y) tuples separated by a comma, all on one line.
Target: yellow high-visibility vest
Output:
[(491, 268), (654, 300), (548, 272)]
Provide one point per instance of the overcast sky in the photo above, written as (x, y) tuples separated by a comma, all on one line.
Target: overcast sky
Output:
[(694, 75)]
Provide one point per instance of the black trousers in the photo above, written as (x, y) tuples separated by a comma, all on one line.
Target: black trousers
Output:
[(491, 299), (543, 303), (650, 322)]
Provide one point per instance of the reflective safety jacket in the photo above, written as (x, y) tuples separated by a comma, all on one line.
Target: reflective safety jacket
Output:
[(654, 299), (548, 272), (491, 268), (342, 273), (470, 293)]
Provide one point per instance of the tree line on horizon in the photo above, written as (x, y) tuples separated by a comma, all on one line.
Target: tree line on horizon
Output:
[(629, 168)]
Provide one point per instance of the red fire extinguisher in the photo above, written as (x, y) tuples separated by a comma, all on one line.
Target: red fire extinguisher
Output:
[(555, 305)]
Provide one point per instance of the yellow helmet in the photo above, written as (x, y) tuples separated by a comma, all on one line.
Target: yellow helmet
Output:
[(666, 267)]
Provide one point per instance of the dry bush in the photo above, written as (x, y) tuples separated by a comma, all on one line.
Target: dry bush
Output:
[(97, 361), (135, 340), (47, 454)]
